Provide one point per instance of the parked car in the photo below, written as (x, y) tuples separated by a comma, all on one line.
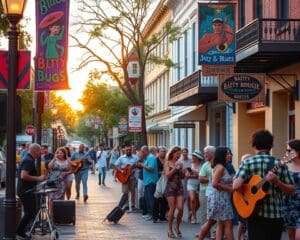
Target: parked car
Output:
[(2, 168)]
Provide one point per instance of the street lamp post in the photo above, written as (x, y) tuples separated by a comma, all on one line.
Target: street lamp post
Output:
[(13, 10)]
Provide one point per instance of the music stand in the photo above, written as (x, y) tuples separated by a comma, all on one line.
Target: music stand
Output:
[(42, 221)]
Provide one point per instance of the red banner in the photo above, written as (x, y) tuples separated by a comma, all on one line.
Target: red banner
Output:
[(52, 27), (23, 81)]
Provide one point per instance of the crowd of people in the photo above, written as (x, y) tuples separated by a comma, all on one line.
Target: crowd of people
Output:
[(160, 182)]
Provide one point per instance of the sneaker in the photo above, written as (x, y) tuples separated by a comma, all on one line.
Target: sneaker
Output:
[(77, 197), (104, 185), (193, 221), (85, 198), (164, 220), (145, 216), (148, 218), (154, 220)]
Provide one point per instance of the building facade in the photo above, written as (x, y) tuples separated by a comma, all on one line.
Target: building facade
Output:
[(268, 42), (157, 80), (198, 118)]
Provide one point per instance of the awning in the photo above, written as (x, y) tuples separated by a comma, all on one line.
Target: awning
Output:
[(156, 127), (194, 115)]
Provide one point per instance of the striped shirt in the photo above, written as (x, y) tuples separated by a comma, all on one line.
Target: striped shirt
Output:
[(260, 164)]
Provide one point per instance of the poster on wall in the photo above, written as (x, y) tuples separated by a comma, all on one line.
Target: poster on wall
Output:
[(216, 44), (134, 118), (52, 27), (241, 88)]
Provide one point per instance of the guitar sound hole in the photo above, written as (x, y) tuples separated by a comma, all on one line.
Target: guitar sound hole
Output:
[(254, 190)]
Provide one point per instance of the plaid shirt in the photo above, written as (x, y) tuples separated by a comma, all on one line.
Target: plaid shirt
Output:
[(270, 206)]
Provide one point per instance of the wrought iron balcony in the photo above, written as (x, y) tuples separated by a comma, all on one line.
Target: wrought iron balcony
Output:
[(193, 90), (267, 44)]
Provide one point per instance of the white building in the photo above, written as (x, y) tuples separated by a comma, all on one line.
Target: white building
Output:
[(197, 118)]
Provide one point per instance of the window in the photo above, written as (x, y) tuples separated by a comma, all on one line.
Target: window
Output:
[(134, 68), (258, 8), (178, 59), (194, 46), (185, 53), (283, 8), (241, 13)]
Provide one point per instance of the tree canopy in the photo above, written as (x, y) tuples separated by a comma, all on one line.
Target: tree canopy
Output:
[(111, 32), (102, 102)]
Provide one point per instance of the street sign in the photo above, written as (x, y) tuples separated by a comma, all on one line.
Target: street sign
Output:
[(29, 130)]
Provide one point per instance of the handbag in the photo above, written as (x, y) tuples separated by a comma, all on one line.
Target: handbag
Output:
[(161, 186)]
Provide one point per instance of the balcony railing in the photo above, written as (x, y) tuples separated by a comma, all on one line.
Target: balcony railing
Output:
[(184, 85), (268, 30), (192, 81)]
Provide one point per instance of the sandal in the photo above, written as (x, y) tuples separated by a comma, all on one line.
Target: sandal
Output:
[(171, 235), (178, 233)]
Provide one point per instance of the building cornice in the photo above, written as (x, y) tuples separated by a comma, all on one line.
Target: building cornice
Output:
[(155, 17)]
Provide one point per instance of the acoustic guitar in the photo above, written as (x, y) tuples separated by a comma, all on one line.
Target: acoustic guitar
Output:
[(125, 172), (246, 198), (78, 165)]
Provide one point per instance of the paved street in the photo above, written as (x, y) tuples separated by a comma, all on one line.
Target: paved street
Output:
[(101, 200)]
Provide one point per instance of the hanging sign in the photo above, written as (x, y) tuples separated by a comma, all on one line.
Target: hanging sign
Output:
[(241, 88), (122, 124), (134, 118), (216, 45), (52, 26)]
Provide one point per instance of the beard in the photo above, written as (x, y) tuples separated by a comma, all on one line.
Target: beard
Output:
[(128, 154)]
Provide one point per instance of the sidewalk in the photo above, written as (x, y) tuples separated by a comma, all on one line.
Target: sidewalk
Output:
[(101, 201)]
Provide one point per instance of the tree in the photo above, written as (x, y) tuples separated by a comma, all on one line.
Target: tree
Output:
[(115, 27), (102, 102)]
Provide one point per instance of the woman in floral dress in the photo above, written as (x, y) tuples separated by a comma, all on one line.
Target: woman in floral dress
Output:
[(219, 207), (291, 204), (61, 166)]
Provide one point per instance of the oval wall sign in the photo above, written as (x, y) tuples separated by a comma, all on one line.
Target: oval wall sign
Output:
[(241, 87)]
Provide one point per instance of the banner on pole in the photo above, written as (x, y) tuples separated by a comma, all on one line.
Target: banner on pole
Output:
[(23, 80), (134, 118), (52, 26), (216, 45)]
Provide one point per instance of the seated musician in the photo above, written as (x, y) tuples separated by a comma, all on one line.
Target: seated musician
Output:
[(129, 186)]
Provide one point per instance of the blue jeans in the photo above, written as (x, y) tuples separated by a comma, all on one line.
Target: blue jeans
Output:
[(102, 172), (149, 197), (82, 176)]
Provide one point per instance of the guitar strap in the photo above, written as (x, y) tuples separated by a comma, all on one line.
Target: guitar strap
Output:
[(270, 166), (99, 155)]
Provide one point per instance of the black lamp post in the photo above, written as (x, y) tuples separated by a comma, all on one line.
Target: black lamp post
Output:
[(13, 10)]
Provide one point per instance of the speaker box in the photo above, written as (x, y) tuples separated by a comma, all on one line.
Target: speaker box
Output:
[(64, 212)]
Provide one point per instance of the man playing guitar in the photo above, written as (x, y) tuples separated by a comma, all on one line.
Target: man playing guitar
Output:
[(266, 223), (130, 184), (82, 175)]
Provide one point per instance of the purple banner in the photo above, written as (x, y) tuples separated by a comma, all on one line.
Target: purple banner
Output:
[(52, 27)]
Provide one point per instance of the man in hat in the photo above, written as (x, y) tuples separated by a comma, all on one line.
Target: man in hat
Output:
[(220, 39)]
